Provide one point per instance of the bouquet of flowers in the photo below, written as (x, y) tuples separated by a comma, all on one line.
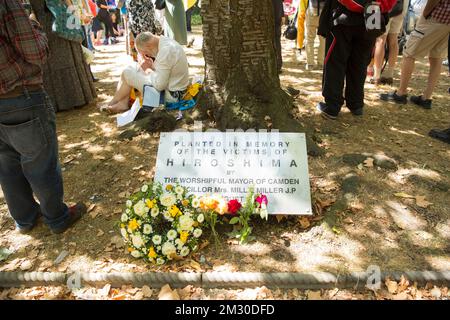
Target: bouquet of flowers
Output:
[(217, 206), (161, 224)]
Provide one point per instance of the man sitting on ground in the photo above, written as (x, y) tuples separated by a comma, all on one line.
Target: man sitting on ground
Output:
[(161, 64)]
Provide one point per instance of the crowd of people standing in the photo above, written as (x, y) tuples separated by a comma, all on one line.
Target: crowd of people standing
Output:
[(349, 46)]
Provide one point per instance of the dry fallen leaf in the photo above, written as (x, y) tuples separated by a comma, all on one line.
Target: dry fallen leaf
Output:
[(304, 222), (100, 233), (119, 297), (204, 244), (403, 284), (421, 202), (68, 159), (194, 264), (26, 265), (147, 291), (332, 293), (348, 220), (104, 292), (403, 195), (436, 292), (280, 217), (368, 163), (314, 295), (325, 203), (392, 286), (167, 293), (91, 211), (401, 296)]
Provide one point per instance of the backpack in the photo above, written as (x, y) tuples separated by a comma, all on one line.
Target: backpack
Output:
[(315, 7), (291, 31)]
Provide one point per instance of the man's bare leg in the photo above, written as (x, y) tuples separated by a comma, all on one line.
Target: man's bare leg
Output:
[(433, 76), (119, 103), (378, 56), (408, 65), (392, 59)]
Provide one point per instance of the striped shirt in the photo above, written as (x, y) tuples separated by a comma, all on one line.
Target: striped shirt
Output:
[(23, 47), (441, 13)]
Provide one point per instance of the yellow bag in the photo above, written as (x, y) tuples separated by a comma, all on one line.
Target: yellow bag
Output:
[(192, 91)]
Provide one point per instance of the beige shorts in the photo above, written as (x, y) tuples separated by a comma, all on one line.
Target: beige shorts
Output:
[(429, 37), (395, 24)]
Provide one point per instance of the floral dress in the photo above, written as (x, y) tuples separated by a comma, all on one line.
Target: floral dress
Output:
[(141, 17)]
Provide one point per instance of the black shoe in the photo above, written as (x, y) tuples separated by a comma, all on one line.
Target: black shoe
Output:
[(393, 96), (357, 112), (25, 230), (421, 102), (443, 135), (326, 112), (75, 213)]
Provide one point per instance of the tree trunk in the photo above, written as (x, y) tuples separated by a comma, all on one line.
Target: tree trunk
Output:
[(242, 86)]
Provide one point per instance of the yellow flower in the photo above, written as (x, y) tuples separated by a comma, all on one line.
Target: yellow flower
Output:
[(169, 187), (152, 253), (130, 249), (149, 203), (195, 224), (133, 225), (184, 236), (122, 225), (185, 202), (174, 211), (208, 203)]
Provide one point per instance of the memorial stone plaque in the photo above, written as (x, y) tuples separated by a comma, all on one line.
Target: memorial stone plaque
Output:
[(229, 163)]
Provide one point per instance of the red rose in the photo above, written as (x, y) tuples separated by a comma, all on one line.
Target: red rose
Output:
[(234, 206)]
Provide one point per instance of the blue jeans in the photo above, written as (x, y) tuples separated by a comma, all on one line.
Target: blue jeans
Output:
[(29, 161)]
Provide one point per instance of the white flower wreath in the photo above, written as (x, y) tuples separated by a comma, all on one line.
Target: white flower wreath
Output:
[(161, 224)]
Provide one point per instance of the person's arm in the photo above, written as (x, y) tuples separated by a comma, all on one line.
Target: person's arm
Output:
[(26, 35), (160, 77), (431, 4)]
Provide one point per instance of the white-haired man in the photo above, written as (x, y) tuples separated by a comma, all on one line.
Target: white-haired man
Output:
[(162, 63)]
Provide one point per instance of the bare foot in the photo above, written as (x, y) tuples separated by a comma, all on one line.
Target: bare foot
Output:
[(118, 107)]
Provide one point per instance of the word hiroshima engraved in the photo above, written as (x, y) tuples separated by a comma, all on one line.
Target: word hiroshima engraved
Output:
[(231, 163)]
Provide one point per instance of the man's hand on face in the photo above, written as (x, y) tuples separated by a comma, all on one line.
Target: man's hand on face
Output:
[(145, 62)]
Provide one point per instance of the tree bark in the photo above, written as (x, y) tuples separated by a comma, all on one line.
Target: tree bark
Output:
[(242, 86)]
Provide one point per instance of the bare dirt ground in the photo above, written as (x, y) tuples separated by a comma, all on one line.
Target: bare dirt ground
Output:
[(391, 211)]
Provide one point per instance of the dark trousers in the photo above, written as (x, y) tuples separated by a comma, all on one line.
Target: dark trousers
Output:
[(349, 49), (29, 161), (189, 18), (104, 17)]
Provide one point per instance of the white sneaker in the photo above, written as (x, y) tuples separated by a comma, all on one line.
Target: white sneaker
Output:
[(298, 55)]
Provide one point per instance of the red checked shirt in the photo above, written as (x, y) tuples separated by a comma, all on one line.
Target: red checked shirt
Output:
[(441, 13), (23, 47)]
